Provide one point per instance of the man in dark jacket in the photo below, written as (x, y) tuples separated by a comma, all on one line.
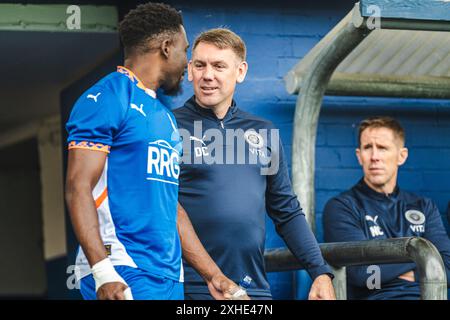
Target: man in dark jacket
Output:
[(376, 208), (233, 171)]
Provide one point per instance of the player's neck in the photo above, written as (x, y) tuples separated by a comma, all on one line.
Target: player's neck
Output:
[(220, 110), (148, 73), (387, 188)]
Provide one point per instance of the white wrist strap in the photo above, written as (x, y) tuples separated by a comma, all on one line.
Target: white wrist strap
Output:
[(104, 272)]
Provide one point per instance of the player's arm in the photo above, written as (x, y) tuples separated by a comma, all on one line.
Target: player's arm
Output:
[(284, 209), (83, 172), (195, 254)]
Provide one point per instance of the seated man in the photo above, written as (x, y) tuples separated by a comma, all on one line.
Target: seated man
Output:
[(376, 208)]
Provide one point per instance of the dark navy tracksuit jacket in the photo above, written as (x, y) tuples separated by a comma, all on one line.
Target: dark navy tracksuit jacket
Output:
[(364, 214), (227, 203)]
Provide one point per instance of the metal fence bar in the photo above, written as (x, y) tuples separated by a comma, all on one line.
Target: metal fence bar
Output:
[(431, 269), (307, 110), (340, 282)]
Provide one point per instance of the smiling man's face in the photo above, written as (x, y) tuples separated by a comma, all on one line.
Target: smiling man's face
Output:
[(214, 73)]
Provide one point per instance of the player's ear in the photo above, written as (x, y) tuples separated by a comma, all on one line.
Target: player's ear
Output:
[(190, 75), (166, 47), (242, 71), (402, 156)]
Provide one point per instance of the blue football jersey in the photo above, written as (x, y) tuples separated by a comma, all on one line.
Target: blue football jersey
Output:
[(136, 196)]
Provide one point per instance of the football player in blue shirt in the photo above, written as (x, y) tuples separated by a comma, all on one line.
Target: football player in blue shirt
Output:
[(225, 193), (123, 168), (376, 208)]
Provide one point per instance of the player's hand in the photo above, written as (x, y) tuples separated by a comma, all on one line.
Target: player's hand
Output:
[(109, 285), (112, 291), (322, 289), (408, 276), (222, 288)]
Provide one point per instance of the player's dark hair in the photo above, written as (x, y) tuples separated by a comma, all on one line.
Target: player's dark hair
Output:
[(382, 122), (150, 22)]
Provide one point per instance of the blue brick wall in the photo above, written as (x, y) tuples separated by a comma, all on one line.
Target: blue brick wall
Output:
[(276, 39)]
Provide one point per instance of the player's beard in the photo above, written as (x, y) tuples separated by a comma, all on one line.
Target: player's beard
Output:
[(172, 86)]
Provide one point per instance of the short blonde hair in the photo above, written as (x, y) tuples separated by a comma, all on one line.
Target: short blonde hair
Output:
[(223, 38), (382, 122)]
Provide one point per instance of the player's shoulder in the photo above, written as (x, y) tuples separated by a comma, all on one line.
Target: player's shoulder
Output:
[(114, 84), (186, 116), (257, 121), (412, 196), (182, 111), (110, 89), (345, 199), (418, 201)]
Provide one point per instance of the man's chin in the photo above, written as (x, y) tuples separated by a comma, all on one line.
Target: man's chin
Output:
[(207, 101), (376, 181)]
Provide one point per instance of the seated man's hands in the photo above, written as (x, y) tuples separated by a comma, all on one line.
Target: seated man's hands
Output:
[(408, 276)]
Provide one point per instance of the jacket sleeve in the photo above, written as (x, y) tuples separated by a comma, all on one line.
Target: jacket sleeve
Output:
[(342, 225), (285, 211)]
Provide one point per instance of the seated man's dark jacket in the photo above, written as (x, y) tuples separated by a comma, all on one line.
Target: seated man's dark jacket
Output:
[(363, 214)]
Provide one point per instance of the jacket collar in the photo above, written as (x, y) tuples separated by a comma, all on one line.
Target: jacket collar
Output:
[(363, 187), (191, 104)]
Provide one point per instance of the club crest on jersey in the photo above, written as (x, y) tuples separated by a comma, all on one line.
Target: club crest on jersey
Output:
[(254, 139), (417, 220), (163, 162)]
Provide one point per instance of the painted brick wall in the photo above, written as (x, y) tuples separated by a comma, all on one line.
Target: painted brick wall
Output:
[(276, 39)]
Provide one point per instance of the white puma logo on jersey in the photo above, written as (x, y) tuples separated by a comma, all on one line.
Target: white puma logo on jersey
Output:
[(192, 138), (374, 220), (140, 109), (91, 96)]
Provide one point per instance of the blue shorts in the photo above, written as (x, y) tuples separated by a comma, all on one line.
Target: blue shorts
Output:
[(144, 285)]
